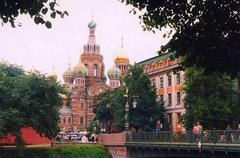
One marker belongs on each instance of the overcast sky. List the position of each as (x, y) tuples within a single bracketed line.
[(35, 46)]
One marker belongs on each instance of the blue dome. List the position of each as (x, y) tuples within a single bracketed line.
[(114, 72), (92, 24)]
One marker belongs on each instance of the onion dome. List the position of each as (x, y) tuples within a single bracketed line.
[(114, 72), (92, 24), (80, 70), (121, 56), (64, 97), (68, 75), (53, 75)]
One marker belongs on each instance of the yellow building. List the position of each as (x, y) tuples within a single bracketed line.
[(168, 83)]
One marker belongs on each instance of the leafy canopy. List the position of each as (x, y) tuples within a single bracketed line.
[(211, 99), (36, 9), (206, 32), (28, 99), (109, 106)]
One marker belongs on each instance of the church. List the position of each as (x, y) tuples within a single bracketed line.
[(87, 79)]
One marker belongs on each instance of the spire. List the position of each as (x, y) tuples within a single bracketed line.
[(53, 74), (69, 62), (122, 43), (121, 53)]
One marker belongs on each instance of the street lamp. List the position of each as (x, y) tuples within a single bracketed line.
[(127, 110)]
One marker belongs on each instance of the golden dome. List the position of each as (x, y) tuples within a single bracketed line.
[(68, 75), (114, 72), (64, 97), (80, 70), (121, 56), (53, 75)]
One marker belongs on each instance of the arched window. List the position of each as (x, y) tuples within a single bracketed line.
[(64, 120), (95, 70), (87, 68), (81, 105), (69, 120)]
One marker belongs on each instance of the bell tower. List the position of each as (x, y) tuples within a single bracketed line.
[(92, 58)]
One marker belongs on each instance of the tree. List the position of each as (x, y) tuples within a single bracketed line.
[(36, 9), (205, 33), (148, 111), (28, 99), (109, 106), (210, 99), (109, 109)]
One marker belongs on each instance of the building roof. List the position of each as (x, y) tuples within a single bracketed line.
[(65, 110), (157, 58)]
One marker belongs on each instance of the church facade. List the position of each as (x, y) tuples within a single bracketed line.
[(85, 80)]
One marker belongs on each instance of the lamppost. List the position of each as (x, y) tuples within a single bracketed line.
[(127, 110)]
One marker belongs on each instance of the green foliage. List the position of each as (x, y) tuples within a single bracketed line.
[(148, 111), (206, 33), (36, 9), (94, 127), (109, 106), (28, 99), (210, 99), (67, 151)]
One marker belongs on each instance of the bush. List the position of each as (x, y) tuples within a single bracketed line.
[(65, 151)]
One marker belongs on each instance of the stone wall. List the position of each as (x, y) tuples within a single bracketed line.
[(115, 144)]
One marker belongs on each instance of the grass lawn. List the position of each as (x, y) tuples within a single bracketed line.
[(64, 151)]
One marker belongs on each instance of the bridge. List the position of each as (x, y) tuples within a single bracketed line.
[(208, 144)]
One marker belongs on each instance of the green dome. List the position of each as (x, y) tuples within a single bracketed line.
[(80, 70), (92, 24)]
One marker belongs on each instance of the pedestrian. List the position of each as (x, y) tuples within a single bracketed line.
[(228, 133), (238, 129), (195, 131), (93, 137), (158, 126), (84, 139)]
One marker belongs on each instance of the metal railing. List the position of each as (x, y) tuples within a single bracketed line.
[(207, 136)]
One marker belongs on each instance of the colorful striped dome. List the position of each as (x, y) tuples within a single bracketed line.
[(80, 70), (114, 72), (68, 75)]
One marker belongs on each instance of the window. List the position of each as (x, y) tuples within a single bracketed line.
[(95, 70), (81, 120), (87, 68), (178, 78), (170, 119), (161, 98), (178, 97), (81, 105), (161, 82), (169, 80), (169, 99), (153, 82), (69, 120), (64, 120), (178, 117)]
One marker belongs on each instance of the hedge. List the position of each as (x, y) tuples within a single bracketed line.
[(65, 151)]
